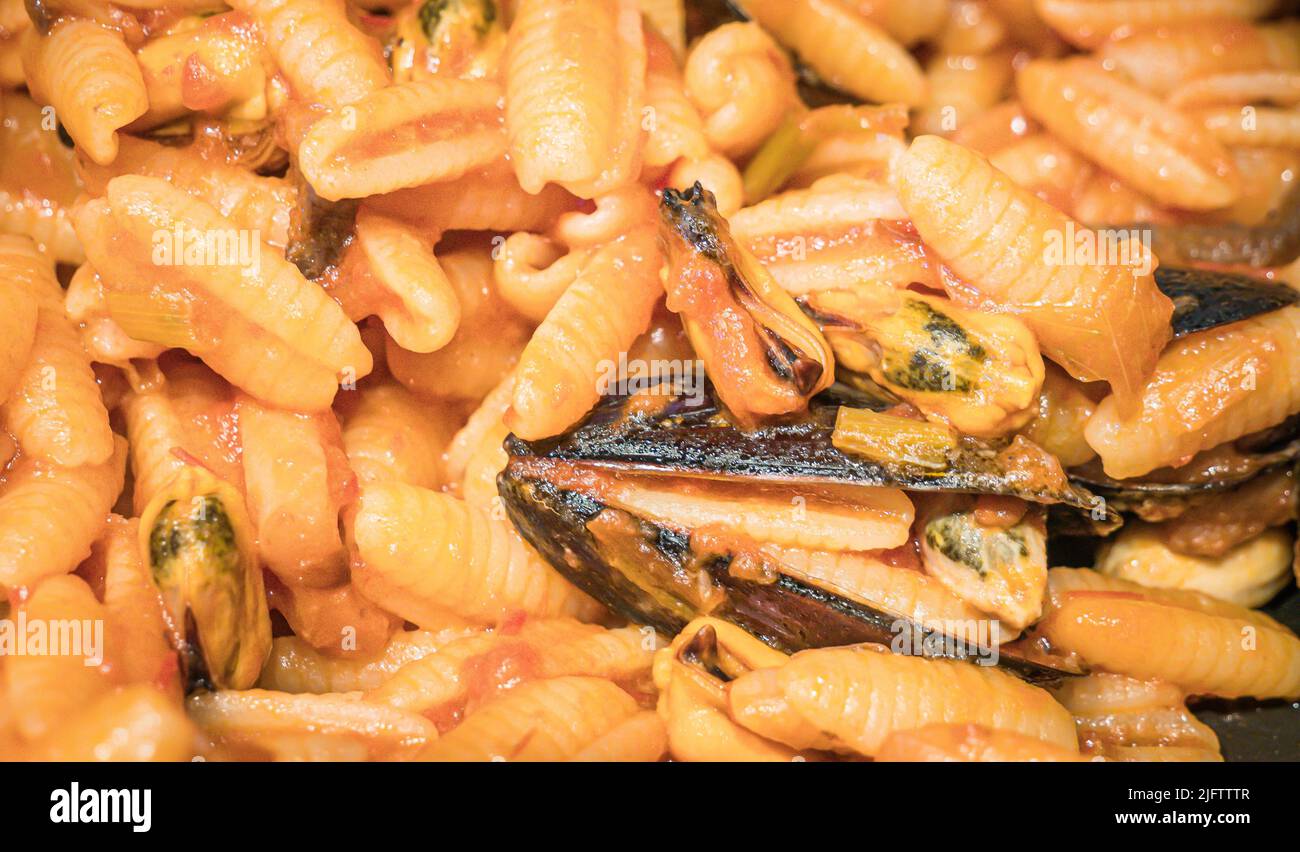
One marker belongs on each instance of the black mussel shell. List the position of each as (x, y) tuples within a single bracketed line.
[(1273, 242), (650, 584), (694, 436), (1204, 299)]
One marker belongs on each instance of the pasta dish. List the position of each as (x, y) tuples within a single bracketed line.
[(645, 380)]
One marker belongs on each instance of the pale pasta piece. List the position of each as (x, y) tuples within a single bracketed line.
[(398, 277), (18, 314), (338, 620), (49, 683), (851, 699), (908, 21), (1251, 126), (546, 720), (638, 739), (469, 671), (1164, 58), (295, 666), (1120, 718), (845, 48), (598, 317), (676, 129), (575, 85), (1236, 87), (1156, 149), (1089, 23), (940, 743), (250, 201), (1202, 645), (324, 57), (490, 199), (134, 606), (253, 719), (54, 409), (470, 436), (38, 181), (973, 28), (961, 88), (404, 135), (479, 486), (614, 215), (294, 470), (50, 515), (131, 724), (1208, 388), (258, 322), (742, 84), (417, 550), (91, 78), (532, 273), (390, 435), (1249, 574)]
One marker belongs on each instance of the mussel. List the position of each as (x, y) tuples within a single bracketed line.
[(1206, 299)]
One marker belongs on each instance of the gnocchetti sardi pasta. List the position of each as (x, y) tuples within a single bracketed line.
[(649, 380)]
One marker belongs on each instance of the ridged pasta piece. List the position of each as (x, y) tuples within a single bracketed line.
[(415, 545), (134, 606), (54, 409), (272, 332), (846, 49), (295, 666), (1047, 167), (129, 725), (532, 273), (676, 130), (1237, 87), (486, 345), (742, 84), (851, 699), (296, 476), (941, 743), (834, 235), (1207, 388), (254, 718), (470, 436), (1090, 23), (390, 435), (973, 28), (1156, 149), (640, 738), (404, 135), (50, 515), (38, 181), (996, 128), (1120, 718), (960, 88), (191, 411), (546, 720), (1255, 127), (473, 670), (899, 590), (47, 686), (1100, 321), (18, 313), (396, 275), (215, 68), (324, 57), (1166, 57), (1062, 582), (490, 199), (575, 86), (250, 201), (479, 485), (1205, 648), (614, 215), (598, 317), (91, 78)]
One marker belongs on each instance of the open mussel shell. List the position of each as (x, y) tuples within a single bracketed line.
[(693, 435), (1206, 299), (650, 575), (1273, 242)]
